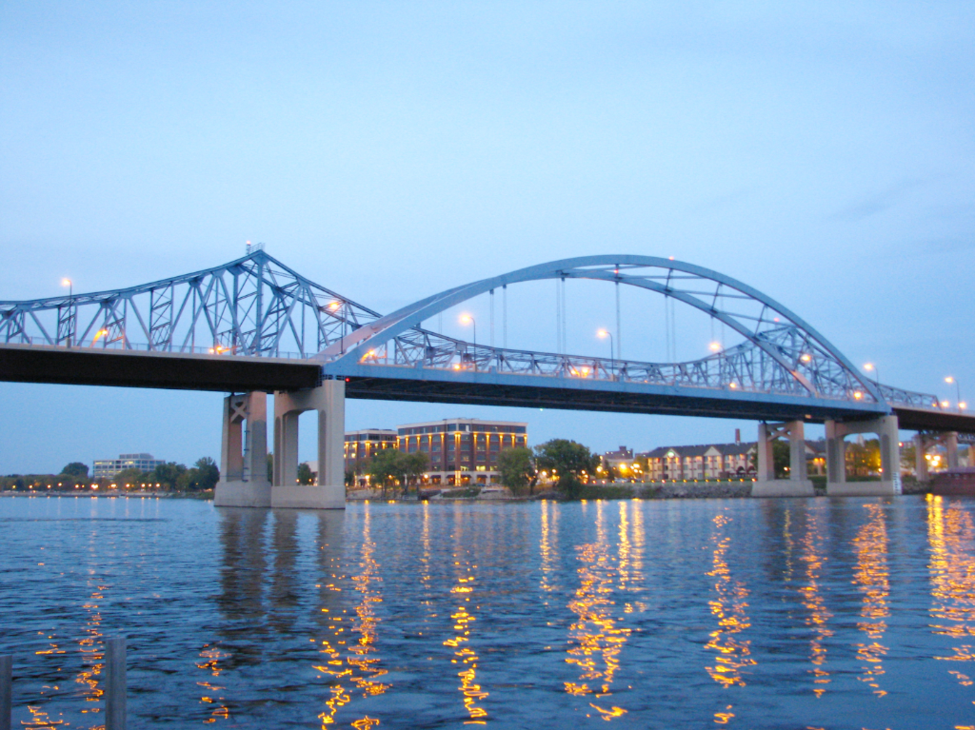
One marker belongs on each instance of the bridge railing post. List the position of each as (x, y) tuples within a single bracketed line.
[(6, 692), (115, 712)]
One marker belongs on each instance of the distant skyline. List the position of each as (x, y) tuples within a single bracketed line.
[(823, 153)]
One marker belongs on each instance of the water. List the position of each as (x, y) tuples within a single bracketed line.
[(855, 613)]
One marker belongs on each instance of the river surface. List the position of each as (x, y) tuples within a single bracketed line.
[(790, 613)]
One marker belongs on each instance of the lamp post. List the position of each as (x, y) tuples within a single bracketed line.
[(604, 333), (468, 319), (70, 284), (951, 379), (876, 373)]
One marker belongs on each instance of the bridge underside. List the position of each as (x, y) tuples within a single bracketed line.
[(134, 369), (179, 371), (523, 396)]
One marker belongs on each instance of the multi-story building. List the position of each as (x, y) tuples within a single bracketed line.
[(713, 461), (360, 446), (108, 468), (461, 450)]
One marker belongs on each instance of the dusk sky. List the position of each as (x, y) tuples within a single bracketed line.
[(822, 152)]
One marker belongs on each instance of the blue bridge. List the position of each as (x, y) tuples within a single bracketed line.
[(255, 326)]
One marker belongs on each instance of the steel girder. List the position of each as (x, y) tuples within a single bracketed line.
[(253, 306)]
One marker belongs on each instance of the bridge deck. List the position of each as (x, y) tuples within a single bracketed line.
[(226, 373)]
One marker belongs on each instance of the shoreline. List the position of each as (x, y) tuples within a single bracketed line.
[(647, 492)]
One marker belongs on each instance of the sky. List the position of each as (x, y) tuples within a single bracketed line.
[(822, 152)]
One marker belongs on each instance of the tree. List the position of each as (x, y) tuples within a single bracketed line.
[(130, 476), (167, 474), (517, 469), (270, 467), (207, 473), (385, 466), (76, 469), (569, 461), (305, 474), (413, 467)]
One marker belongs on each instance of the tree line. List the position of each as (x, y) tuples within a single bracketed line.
[(203, 475)]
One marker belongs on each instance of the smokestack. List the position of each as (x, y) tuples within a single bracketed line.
[(737, 437)]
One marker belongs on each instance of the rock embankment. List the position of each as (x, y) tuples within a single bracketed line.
[(716, 490)]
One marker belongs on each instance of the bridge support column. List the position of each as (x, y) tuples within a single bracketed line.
[(798, 484), (243, 453), (951, 446), (329, 493), (890, 482), (920, 458)]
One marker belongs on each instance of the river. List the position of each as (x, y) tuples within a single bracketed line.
[(790, 613)]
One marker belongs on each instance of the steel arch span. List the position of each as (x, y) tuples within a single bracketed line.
[(780, 355), (255, 324)]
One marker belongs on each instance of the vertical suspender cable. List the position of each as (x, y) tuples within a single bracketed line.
[(619, 347), (558, 319), (492, 318), (504, 316)]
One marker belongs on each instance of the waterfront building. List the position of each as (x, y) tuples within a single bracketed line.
[(108, 468), (710, 461), (360, 446), (461, 450)]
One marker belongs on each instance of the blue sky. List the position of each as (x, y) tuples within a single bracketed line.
[(821, 152)]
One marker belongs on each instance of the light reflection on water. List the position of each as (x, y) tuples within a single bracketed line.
[(758, 614)]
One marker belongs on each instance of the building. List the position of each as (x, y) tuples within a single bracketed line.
[(712, 461), (108, 468), (361, 445), (461, 450)]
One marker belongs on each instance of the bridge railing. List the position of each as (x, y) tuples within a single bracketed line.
[(743, 368), (128, 346)]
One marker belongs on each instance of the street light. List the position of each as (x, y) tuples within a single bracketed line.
[(876, 373), (468, 319), (951, 379), (68, 283), (603, 334)]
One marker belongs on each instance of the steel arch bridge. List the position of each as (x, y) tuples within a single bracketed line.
[(257, 310)]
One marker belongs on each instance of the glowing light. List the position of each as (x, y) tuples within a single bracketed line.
[(858, 395), (715, 346), (466, 319), (869, 366), (945, 404), (65, 282), (949, 379), (601, 333), (334, 305), (806, 357)]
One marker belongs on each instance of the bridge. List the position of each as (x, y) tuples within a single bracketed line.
[(255, 326)]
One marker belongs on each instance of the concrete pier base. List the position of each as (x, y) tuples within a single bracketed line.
[(797, 485), (784, 488), (243, 453), (862, 489), (242, 494), (308, 496), (837, 486), (328, 400)]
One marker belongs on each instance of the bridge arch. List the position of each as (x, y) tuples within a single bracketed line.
[(805, 361)]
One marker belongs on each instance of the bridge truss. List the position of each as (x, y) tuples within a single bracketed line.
[(256, 306)]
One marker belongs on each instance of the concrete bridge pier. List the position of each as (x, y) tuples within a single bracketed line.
[(920, 460), (798, 483), (243, 453), (329, 493), (887, 430), (923, 442)]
